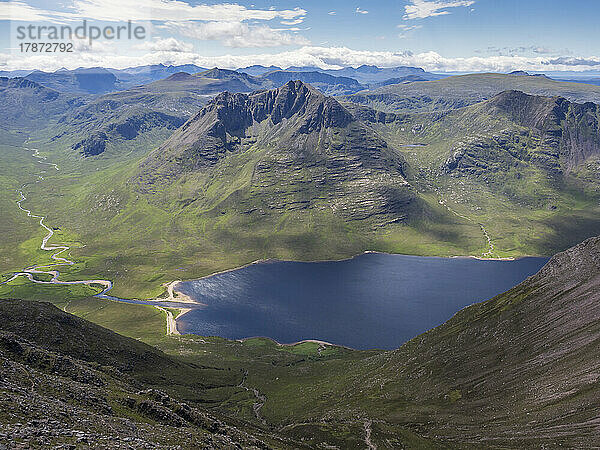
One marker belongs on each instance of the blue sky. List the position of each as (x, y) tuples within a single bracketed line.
[(439, 35)]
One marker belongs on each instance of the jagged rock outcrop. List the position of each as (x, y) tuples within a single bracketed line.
[(92, 145), (556, 135)]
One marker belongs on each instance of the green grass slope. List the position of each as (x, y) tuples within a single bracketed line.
[(522, 166)]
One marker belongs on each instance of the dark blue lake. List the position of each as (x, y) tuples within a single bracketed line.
[(371, 301)]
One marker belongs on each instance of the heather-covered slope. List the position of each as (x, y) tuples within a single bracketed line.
[(525, 365)]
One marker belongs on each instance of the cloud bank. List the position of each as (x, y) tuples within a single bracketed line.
[(174, 52)]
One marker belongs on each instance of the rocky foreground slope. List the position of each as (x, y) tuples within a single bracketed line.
[(67, 382)]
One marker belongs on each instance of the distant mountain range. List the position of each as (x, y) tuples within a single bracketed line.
[(365, 75), (258, 70), (464, 90), (163, 103), (99, 80), (345, 81)]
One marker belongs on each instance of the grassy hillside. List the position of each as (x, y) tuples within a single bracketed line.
[(521, 166), (26, 106)]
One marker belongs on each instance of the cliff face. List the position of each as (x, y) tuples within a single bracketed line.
[(233, 114), (573, 129)]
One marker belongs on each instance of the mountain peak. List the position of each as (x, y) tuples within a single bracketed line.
[(179, 76), (570, 128), (220, 73), (294, 98), (292, 136), (366, 68), (519, 73), (529, 110)]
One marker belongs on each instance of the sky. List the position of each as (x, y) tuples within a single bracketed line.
[(437, 35)]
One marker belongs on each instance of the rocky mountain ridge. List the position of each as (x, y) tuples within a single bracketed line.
[(295, 132)]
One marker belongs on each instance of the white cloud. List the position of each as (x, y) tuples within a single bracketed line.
[(421, 9), (238, 34), (293, 22), (166, 45), (361, 11), (224, 22), (177, 10), (524, 50), (332, 13), (21, 11), (100, 48), (592, 61), (144, 10), (407, 29)]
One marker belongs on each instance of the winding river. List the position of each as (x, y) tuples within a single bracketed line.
[(58, 256)]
